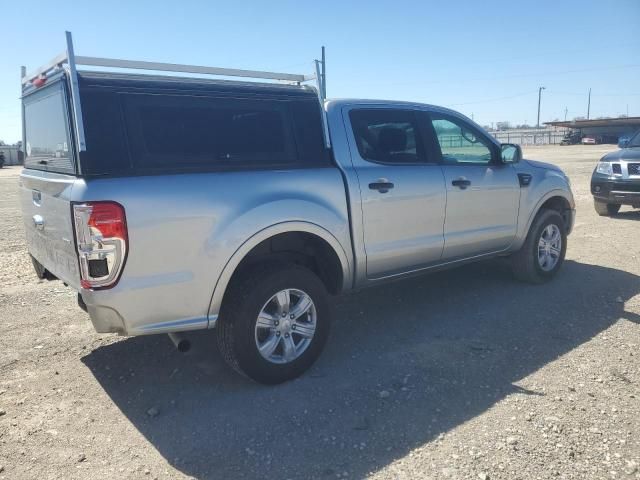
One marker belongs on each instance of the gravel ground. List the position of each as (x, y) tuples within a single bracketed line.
[(461, 374)]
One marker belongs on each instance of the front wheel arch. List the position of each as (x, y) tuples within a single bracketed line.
[(558, 200), (525, 262)]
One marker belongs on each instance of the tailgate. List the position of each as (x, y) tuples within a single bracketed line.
[(48, 178), (46, 208)]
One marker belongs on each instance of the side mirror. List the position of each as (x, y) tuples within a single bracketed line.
[(623, 143), (510, 153)]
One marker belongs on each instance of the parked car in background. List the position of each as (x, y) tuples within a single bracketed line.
[(623, 140), (573, 137), (589, 141), (616, 179), (178, 204)]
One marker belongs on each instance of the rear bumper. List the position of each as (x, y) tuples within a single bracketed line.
[(106, 320), (128, 311), (622, 192)]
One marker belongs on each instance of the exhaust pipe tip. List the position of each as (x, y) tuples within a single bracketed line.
[(182, 344)]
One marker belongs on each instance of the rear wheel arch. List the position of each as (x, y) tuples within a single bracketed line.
[(300, 243)]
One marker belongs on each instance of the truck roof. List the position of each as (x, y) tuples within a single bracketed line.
[(333, 103), (204, 85)]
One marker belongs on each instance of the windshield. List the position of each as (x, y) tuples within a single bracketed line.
[(635, 140)]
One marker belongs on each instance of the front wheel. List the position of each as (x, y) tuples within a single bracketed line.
[(605, 209), (543, 251), (274, 322)]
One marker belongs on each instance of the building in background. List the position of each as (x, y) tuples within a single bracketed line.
[(602, 130), (13, 154)]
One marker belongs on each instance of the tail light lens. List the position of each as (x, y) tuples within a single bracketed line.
[(101, 240), (40, 81)]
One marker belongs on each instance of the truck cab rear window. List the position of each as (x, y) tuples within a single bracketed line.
[(48, 144), (191, 132)]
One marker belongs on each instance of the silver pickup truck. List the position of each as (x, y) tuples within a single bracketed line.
[(174, 204)]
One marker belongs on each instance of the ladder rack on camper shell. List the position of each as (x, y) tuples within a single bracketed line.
[(68, 60)]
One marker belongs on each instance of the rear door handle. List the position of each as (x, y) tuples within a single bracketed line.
[(382, 185), (461, 182)]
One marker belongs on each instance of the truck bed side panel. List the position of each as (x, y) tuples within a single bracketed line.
[(184, 228)]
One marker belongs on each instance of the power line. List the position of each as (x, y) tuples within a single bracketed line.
[(461, 79), (501, 59), (488, 100), (596, 94)]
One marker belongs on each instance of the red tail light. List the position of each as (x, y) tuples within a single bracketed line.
[(108, 218), (102, 241)]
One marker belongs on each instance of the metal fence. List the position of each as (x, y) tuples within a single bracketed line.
[(12, 155), (530, 137)]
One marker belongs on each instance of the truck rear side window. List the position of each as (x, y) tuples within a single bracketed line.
[(194, 132), (48, 144), (388, 136)]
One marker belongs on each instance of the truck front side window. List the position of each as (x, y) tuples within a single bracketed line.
[(460, 145)]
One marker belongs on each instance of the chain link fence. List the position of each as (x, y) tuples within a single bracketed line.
[(530, 137)]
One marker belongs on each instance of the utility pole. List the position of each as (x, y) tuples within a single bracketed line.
[(589, 105), (539, 98)]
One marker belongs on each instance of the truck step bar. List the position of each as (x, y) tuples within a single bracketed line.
[(68, 60)]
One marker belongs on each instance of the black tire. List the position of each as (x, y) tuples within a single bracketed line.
[(605, 209), (524, 262), (41, 272), (241, 306)]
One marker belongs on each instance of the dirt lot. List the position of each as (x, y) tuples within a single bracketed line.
[(461, 374)]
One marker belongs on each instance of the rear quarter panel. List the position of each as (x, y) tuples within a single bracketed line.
[(184, 229)]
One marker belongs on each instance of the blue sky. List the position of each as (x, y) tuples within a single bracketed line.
[(483, 58)]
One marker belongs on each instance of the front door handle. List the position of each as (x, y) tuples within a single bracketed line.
[(462, 183), (382, 185)]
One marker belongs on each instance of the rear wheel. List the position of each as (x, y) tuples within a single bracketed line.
[(274, 322), (41, 272), (543, 251), (605, 209)]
